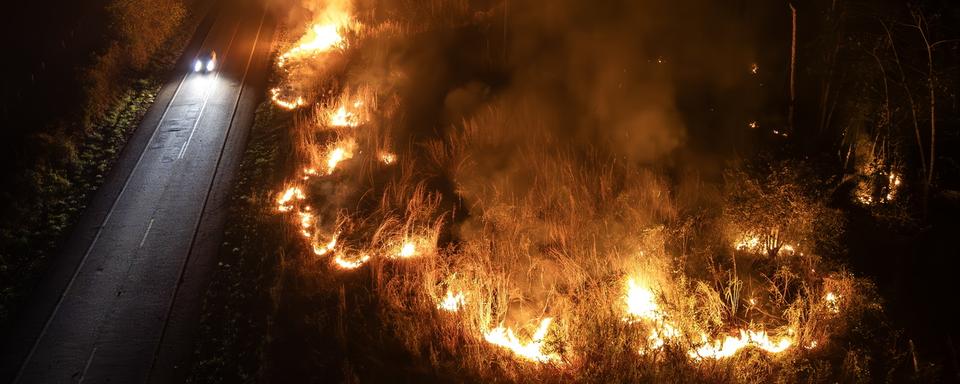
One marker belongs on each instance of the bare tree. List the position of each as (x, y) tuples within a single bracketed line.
[(793, 66)]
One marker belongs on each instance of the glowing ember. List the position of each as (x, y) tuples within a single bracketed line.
[(731, 345), (319, 38), (387, 158), (323, 249), (283, 201), (754, 125), (451, 302), (343, 262), (286, 104), (754, 68), (532, 350)]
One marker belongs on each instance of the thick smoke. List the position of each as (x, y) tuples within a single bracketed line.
[(587, 70), (580, 84)]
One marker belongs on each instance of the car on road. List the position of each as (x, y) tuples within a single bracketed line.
[(206, 62)]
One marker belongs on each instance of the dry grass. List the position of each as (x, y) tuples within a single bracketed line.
[(527, 227)]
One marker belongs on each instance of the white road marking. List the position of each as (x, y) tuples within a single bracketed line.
[(87, 367), (146, 233), (206, 98)]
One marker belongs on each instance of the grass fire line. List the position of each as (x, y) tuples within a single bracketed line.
[(715, 322)]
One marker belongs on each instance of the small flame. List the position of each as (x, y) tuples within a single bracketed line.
[(342, 151), (451, 302), (532, 350), (286, 104), (754, 68), (283, 201)]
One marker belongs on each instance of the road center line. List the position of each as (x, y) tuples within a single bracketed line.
[(213, 178), (87, 367)]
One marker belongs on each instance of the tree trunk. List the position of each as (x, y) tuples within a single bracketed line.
[(793, 68)]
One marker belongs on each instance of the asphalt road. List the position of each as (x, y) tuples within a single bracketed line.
[(122, 300)]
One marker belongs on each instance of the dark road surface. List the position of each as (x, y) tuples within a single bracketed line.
[(122, 299)]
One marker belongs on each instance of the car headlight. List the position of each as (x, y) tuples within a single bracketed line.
[(211, 65), (197, 66)]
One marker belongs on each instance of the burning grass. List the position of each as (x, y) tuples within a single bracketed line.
[(498, 250), (549, 268)]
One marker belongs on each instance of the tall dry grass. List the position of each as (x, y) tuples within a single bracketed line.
[(526, 227)]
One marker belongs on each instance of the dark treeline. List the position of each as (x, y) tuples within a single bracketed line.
[(877, 111)]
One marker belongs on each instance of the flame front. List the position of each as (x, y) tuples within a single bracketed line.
[(531, 350), (318, 39), (323, 249), (730, 345), (345, 262)]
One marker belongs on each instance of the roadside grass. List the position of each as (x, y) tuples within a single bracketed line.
[(237, 306)]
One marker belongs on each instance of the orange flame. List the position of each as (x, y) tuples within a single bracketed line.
[(531, 350)]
